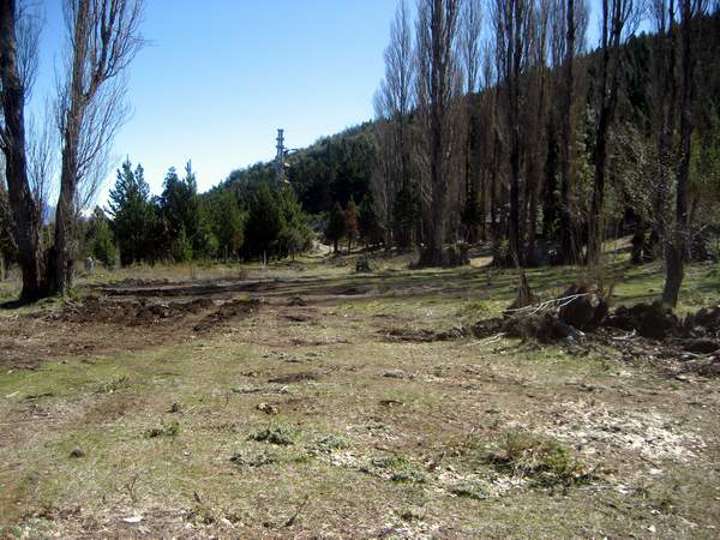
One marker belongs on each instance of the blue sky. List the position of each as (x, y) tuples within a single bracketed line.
[(219, 76)]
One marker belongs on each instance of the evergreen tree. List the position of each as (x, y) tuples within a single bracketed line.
[(369, 223), (335, 228), (180, 210), (471, 215), (407, 214), (226, 222), (265, 221), (133, 215), (351, 223), (181, 248), (295, 235), (99, 240)]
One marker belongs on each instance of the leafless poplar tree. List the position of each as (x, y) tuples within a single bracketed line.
[(471, 26), (569, 26), (676, 249), (437, 85), (513, 32), (394, 102), (42, 144), (536, 120), (619, 20), (18, 64), (470, 54), (104, 37)]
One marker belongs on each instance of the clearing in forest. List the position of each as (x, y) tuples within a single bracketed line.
[(306, 399)]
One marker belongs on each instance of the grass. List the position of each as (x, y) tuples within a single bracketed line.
[(545, 461), (465, 441)]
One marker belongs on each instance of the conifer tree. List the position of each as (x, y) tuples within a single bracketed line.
[(133, 215), (352, 228), (335, 228)]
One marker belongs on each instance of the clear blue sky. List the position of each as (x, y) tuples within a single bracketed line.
[(219, 76)]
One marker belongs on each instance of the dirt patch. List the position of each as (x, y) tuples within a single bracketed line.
[(102, 324), (580, 319), (299, 315), (424, 335), (295, 378), (649, 320), (349, 291), (226, 312), (132, 312)]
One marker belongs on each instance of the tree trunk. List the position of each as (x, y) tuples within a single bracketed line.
[(595, 225), (608, 101), (443, 16), (25, 215), (676, 252), (568, 245), (60, 270)]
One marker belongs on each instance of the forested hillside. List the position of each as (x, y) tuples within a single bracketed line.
[(334, 169)]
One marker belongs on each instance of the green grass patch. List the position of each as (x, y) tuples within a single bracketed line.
[(278, 435), (544, 461)]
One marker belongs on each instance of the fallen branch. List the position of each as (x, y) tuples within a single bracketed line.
[(545, 306)]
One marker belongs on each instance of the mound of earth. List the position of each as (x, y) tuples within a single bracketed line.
[(424, 335), (581, 313), (130, 312), (653, 321), (204, 312), (583, 307)]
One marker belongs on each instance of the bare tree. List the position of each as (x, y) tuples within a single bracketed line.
[(104, 37), (42, 144), (513, 32), (394, 102), (536, 120), (470, 54), (569, 26), (18, 64), (471, 26), (437, 86), (619, 19), (675, 252), (7, 245)]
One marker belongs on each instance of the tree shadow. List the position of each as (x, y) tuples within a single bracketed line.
[(15, 304)]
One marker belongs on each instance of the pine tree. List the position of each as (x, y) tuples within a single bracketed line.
[(99, 239), (226, 222), (180, 210), (265, 221), (133, 215), (295, 235), (335, 228), (369, 223), (352, 228)]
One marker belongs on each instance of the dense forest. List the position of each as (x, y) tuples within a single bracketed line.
[(495, 123)]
